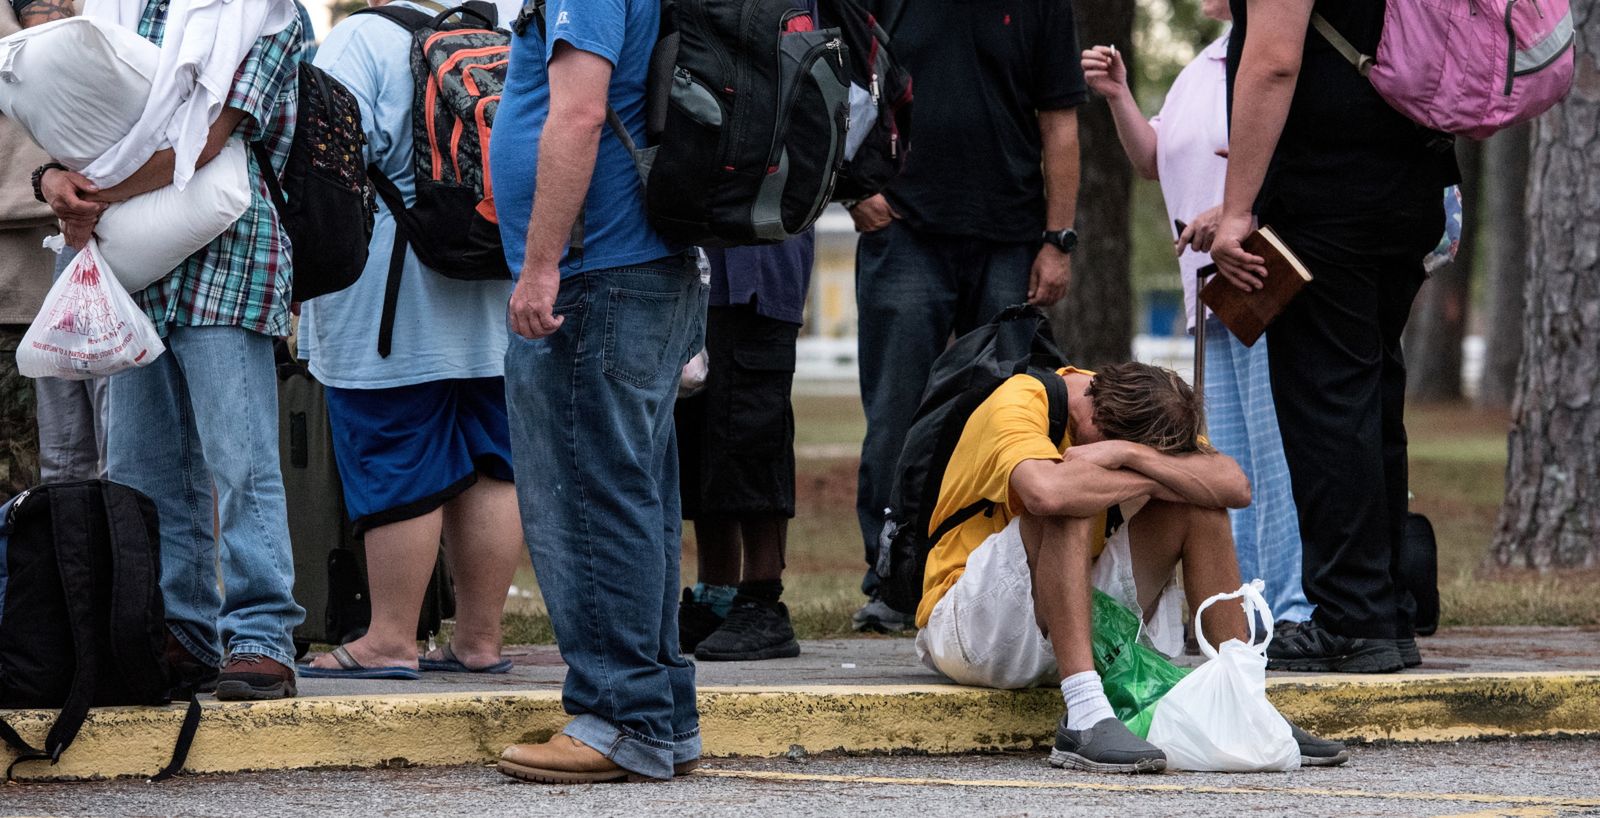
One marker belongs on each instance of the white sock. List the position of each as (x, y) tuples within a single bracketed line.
[(1087, 704)]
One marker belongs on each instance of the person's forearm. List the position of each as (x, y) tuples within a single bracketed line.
[(31, 13), (1059, 130), (1268, 71), (1074, 488), (1210, 479), (156, 173), (1138, 138), (567, 151)]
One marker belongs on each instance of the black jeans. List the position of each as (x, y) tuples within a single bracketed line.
[(913, 290), (1340, 381)]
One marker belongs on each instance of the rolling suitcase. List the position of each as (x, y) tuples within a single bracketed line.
[(330, 573)]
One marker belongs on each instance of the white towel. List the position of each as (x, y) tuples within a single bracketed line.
[(205, 42)]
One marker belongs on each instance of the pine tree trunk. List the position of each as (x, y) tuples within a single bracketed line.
[(1551, 517), (1094, 323), (1505, 216), (1439, 319)]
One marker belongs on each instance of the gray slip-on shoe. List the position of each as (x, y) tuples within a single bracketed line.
[(1107, 747)]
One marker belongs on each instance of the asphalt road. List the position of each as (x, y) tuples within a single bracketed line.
[(1520, 778)]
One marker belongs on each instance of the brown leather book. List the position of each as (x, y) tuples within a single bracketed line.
[(1247, 314)]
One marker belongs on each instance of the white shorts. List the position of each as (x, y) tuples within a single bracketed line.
[(984, 633)]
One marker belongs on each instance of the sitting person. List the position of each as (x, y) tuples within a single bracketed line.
[(1006, 596)]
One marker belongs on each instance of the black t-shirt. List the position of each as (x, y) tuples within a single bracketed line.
[(1345, 155), (981, 70)]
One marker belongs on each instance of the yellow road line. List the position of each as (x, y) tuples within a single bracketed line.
[(1313, 792)]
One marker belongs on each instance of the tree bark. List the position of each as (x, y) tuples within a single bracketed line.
[(1505, 215), (1094, 322), (1439, 318), (1551, 517)]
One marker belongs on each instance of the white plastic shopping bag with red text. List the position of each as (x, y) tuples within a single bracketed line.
[(88, 327)]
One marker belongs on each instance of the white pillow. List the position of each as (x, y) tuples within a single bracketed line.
[(146, 237), (76, 85)]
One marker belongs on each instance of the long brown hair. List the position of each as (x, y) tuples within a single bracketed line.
[(1146, 404)]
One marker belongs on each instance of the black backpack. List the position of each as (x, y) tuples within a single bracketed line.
[(746, 110), (81, 619), (324, 200), (875, 75), (1016, 342), (458, 69)]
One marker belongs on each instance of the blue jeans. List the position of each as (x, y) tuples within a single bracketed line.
[(205, 414), (594, 450), (913, 290), (1243, 424)]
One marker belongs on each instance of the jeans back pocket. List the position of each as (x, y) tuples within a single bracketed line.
[(639, 331)]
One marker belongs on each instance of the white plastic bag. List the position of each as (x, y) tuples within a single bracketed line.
[(148, 236), (88, 327), (77, 86), (693, 378), (1218, 719)]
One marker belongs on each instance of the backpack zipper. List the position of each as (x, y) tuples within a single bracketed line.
[(1511, 48)]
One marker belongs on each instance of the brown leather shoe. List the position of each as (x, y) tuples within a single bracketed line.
[(185, 672), (252, 677), (562, 760)]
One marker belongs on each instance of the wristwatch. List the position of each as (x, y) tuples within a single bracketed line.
[(38, 177), (1064, 240)]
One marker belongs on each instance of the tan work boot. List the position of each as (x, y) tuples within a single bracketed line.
[(565, 760)]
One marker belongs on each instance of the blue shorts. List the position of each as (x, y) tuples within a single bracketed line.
[(405, 451)]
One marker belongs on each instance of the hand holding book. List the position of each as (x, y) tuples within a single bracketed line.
[(1246, 312), (1237, 264)]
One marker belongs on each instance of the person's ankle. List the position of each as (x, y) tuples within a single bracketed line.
[(767, 591)]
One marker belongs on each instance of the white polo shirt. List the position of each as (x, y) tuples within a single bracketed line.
[(1191, 127)]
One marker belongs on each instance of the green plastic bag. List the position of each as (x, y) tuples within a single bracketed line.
[(1134, 676)]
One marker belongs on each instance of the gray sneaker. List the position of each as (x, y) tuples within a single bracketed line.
[(879, 617), (1107, 747), (1318, 752)]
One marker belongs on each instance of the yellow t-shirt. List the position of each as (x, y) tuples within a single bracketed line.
[(1011, 426)]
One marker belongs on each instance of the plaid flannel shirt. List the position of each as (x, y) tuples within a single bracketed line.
[(241, 278)]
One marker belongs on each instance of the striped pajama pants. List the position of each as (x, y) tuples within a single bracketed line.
[(1243, 424)]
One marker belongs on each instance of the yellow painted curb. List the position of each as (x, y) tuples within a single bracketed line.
[(463, 728)]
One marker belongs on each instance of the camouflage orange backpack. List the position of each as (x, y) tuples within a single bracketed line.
[(458, 64)]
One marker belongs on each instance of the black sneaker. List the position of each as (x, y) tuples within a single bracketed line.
[(1409, 654), (696, 621), (1107, 747), (876, 616), (1318, 752), (1313, 648), (753, 630)]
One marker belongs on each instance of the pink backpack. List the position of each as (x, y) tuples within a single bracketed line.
[(1468, 67)]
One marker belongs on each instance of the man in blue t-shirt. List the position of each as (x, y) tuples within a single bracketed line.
[(598, 338)]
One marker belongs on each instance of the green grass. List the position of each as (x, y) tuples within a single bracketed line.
[(1457, 476)]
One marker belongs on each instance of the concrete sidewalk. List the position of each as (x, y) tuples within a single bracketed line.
[(858, 696)]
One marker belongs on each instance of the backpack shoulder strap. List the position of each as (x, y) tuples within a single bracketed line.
[(390, 193), (70, 513), (409, 19), (1362, 62), (135, 592), (1055, 390)]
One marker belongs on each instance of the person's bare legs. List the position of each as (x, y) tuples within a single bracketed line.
[(400, 559), (765, 539), (483, 547), (1058, 558), (1161, 534), (719, 553)]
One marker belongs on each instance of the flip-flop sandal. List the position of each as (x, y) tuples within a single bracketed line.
[(450, 664), (349, 668)]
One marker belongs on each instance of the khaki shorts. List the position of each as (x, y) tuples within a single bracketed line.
[(983, 632)]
